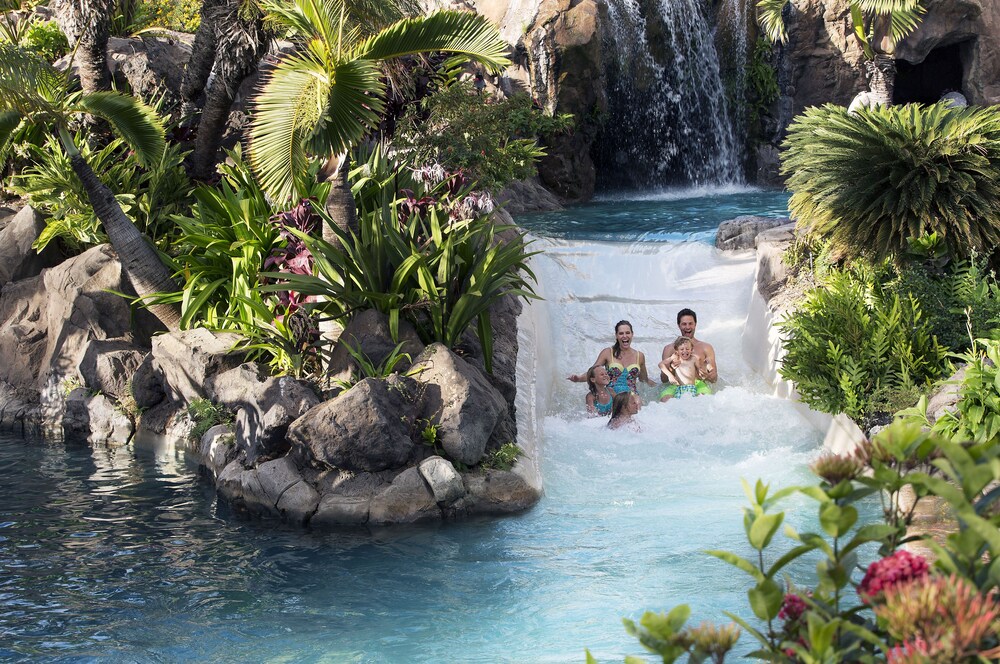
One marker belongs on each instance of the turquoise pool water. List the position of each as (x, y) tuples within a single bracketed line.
[(125, 555)]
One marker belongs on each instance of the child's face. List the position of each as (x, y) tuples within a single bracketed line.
[(633, 405), (684, 352), (601, 376)]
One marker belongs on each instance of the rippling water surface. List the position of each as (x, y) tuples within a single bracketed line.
[(125, 555)]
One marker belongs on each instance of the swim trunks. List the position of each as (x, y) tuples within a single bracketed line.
[(677, 391)]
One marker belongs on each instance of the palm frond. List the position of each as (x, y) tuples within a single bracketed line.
[(449, 31), (885, 7), (770, 20), (133, 120), (353, 107), (286, 111), (28, 83), (870, 181), (904, 21), (9, 122), (308, 19)]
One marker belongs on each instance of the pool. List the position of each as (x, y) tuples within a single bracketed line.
[(126, 555)]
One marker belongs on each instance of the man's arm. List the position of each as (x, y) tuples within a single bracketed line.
[(668, 351), (712, 373)]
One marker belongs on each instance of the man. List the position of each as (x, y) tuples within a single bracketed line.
[(687, 322)]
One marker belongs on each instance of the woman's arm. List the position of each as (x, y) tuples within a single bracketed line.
[(602, 360)]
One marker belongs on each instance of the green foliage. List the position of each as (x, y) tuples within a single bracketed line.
[(960, 300), (977, 414), (491, 139), (762, 80), (206, 415), (46, 39), (852, 339), (367, 368), (503, 457), (871, 180), (836, 618), (147, 195), (417, 257), (179, 15)]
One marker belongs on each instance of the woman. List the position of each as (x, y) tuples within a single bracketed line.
[(626, 366)]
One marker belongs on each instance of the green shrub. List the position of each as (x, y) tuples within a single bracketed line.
[(134, 15), (206, 415), (503, 457), (762, 80), (841, 615), (977, 413), (872, 180), (492, 139), (46, 39), (430, 255), (852, 339), (147, 196)]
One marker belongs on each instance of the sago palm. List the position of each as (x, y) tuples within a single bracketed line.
[(871, 180), (878, 25), (33, 92), (326, 96)]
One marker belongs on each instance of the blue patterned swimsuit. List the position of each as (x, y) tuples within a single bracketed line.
[(623, 378), (604, 408)]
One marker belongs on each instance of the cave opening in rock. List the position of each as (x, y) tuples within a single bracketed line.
[(940, 72)]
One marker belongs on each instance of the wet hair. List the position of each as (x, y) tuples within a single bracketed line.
[(616, 350), (686, 312), (591, 385), (619, 405), (680, 341)]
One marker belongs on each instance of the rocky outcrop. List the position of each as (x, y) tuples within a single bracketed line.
[(18, 260), (368, 333), (741, 232), (187, 360)]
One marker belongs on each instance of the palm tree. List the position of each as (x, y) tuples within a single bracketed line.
[(34, 92), (232, 37), (87, 25), (878, 25), (326, 96), (872, 180)]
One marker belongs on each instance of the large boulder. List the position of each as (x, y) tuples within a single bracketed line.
[(367, 428), (47, 323), (188, 359), (498, 492), (741, 232), (460, 401), (18, 260), (264, 406), (347, 497), (444, 481), (217, 449), (95, 419), (108, 366), (407, 500), (368, 332)]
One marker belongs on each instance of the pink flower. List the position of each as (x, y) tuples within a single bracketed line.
[(889, 572), (792, 608)]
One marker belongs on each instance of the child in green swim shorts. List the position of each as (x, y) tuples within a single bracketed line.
[(684, 370)]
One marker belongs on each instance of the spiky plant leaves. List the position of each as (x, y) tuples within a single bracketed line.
[(870, 181), (770, 20), (138, 124)]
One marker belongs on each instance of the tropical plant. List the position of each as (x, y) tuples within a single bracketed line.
[(32, 92), (491, 139), (148, 195), (46, 39), (503, 457), (872, 180), (179, 15), (837, 616), (976, 416), (322, 99), (851, 339), (428, 257), (206, 415), (762, 80), (878, 26), (368, 368)]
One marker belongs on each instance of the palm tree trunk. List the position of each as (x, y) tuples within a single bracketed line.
[(241, 43), (881, 74), (340, 204), (142, 264), (199, 65), (88, 24)]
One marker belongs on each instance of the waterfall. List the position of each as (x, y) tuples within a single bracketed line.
[(669, 121)]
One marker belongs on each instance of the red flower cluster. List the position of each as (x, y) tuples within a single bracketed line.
[(891, 571), (792, 608)]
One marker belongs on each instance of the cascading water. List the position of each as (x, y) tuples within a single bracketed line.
[(668, 121)]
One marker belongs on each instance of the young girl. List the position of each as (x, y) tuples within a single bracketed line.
[(599, 396), (623, 407), (684, 371)]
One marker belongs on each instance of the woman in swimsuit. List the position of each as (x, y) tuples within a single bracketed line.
[(626, 366), (599, 395)]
